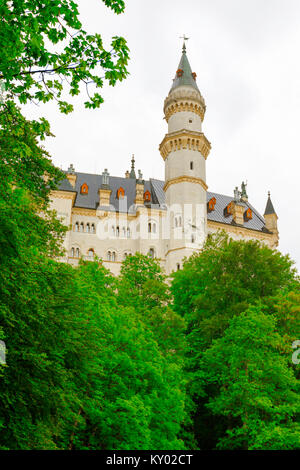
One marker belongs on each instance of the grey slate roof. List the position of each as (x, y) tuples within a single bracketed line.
[(91, 200)]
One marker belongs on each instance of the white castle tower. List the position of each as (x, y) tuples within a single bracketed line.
[(184, 150)]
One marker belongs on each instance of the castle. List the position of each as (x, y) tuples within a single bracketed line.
[(112, 217)]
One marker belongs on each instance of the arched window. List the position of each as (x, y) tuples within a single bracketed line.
[(176, 222), (124, 232), (128, 232), (109, 256), (180, 221), (72, 252), (84, 189), (82, 227), (93, 230), (117, 231), (113, 256), (113, 230), (120, 193), (178, 266), (193, 238), (147, 196), (154, 228), (77, 252), (151, 253), (77, 227), (149, 227), (125, 255), (91, 253), (87, 228), (191, 165)]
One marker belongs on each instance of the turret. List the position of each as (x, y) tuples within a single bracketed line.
[(185, 150), (271, 216)]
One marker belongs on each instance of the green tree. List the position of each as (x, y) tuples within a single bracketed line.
[(130, 397), (211, 289), (46, 50), (257, 390), (224, 280), (142, 285), (23, 161)]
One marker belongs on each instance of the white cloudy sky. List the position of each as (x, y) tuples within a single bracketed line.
[(246, 56)]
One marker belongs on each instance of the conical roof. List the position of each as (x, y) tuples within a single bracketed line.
[(269, 207), (184, 75)]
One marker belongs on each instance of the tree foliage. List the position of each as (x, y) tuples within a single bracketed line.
[(46, 50), (240, 301)]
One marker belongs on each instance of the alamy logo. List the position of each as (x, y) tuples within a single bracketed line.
[(2, 353), (296, 354)]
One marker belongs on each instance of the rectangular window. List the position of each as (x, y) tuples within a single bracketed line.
[(191, 165)]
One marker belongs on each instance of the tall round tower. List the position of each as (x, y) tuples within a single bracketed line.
[(184, 150)]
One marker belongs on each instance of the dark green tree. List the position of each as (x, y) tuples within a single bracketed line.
[(258, 392), (213, 287)]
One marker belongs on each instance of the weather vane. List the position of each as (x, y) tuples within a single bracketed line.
[(184, 39)]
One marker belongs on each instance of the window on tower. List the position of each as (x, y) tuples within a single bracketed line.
[(191, 165)]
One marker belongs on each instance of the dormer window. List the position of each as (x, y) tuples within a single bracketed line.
[(211, 204), (228, 209), (84, 189), (248, 214), (194, 75), (179, 73), (147, 196), (120, 193)]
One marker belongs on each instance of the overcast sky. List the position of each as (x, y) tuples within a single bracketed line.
[(246, 56)]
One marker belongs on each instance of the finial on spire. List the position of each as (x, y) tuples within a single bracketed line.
[(183, 46), (132, 172), (269, 193)]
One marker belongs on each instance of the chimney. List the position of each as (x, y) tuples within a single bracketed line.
[(238, 208), (139, 190), (104, 191), (71, 176)]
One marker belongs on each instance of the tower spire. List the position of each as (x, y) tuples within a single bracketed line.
[(269, 207), (184, 74)]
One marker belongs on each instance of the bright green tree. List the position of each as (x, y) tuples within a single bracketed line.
[(142, 285), (45, 50), (130, 395)]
